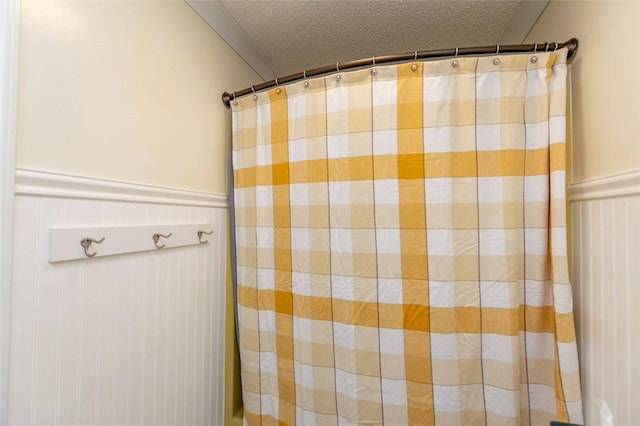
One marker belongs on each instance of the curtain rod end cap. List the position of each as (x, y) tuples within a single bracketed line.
[(226, 99), (573, 45)]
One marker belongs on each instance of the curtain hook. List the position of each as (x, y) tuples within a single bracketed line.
[(277, 84), (497, 49), (535, 48), (374, 61), (555, 48), (373, 68), (304, 74), (546, 46), (255, 97), (456, 53), (415, 55), (337, 66)]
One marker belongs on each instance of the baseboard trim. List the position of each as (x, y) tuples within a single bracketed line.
[(622, 185), (48, 184)]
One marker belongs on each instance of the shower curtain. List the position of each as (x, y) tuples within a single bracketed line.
[(401, 246)]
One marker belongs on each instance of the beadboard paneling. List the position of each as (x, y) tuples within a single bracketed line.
[(606, 282), (133, 339)]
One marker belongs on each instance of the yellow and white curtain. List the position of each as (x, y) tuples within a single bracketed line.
[(401, 246)]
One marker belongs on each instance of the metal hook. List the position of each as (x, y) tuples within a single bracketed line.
[(535, 48), (456, 53), (86, 243), (200, 236), (304, 74), (546, 46), (337, 66), (415, 55), (497, 49), (555, 48), (156, 238), (374, 61), (277, 84)]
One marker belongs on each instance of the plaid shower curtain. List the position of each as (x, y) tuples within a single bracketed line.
[(401, 246)]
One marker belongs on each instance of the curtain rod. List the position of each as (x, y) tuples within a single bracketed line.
[(571, 44)]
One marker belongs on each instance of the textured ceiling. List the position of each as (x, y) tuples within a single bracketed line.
[(303, 34)]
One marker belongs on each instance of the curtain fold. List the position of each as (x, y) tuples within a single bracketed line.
[(401, 246)]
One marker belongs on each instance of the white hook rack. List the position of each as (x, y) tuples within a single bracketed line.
[(66, 243)]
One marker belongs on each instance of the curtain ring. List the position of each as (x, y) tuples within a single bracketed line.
[(304, 74), (277, 84), (337, 66), (555, 48), (497, 49), (535, 48), (415, 55), (546, 46), (456, 53), (253, 90)]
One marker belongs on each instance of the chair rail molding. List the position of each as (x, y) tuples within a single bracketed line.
[(50, 184), (621, 185)]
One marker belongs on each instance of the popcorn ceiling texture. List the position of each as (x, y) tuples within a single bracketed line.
[(298, 35)]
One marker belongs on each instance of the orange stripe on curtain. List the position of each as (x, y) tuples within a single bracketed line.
[(283, 300)]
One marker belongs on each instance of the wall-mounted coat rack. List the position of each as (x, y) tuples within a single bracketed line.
[(83, 243)]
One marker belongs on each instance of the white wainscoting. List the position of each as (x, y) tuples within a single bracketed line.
[(132, 339), (606, 282)]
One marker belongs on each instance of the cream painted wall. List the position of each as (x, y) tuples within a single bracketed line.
[(606, 82), (125, 90)]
